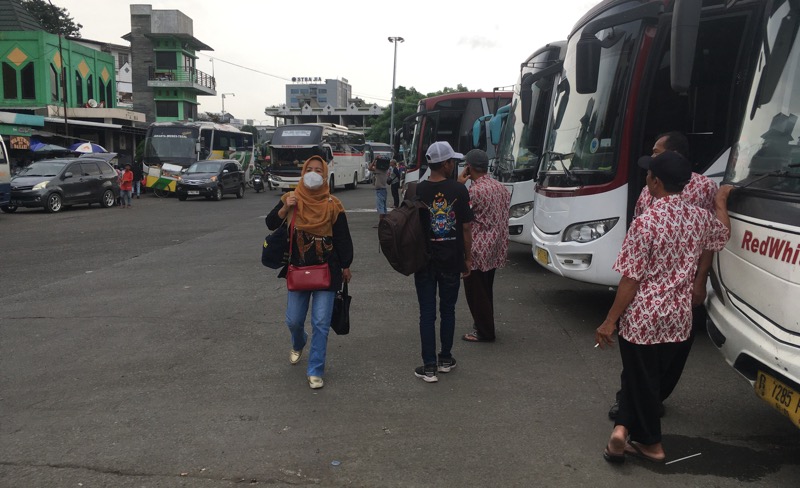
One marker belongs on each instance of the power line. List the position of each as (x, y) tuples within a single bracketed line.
[(281, 77)]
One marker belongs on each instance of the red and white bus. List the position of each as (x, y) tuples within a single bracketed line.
[(626, 79), (341, 147), (447, 117), (755, 303)]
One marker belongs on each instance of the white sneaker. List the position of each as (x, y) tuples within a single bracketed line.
[(315, 382), (294, 356)]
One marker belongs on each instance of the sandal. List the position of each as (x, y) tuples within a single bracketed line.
[(475, 337), (634, 448)]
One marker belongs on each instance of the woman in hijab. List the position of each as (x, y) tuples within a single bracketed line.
[(321, 235)]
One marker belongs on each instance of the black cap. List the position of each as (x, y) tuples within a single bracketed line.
[(669, 167), (477, 159)]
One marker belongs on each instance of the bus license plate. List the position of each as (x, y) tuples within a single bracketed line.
[(780, 396), (542, 256)]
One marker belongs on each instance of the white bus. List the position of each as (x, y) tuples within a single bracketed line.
[(522, 139), (754, 309), (341, 147)]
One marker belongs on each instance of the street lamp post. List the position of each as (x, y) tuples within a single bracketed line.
[(223, 101), (395, 41)]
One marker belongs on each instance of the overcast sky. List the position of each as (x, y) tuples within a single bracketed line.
[(447, 42)]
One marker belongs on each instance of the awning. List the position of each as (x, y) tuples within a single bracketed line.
[(58, 120)]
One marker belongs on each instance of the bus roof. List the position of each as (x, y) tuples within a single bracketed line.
[(471, 94), (201, 124)]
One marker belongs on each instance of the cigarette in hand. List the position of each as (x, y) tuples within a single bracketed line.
[(597, 345)]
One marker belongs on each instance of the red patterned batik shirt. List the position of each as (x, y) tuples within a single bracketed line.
[(700, 192), (490, 202), (661, 251)]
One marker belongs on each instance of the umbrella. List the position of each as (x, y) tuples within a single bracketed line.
[(87, 147), (41, 147)]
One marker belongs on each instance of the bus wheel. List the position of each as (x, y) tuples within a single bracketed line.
[(354, 184), (332, 183)]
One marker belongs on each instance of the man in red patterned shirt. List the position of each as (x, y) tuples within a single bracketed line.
[(700, 192), (658, 262), (490, 202)]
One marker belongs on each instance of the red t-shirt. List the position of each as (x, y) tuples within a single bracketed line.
[(126, 182)]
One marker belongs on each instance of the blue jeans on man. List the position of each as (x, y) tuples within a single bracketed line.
[(426, 282), (380, 200), (137, 187), (321, 311)]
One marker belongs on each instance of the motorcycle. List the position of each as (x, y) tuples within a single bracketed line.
[(258, 183)]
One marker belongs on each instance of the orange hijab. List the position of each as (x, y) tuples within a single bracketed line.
[(316, 210)]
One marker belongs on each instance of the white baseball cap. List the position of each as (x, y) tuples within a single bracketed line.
[(441, 151)]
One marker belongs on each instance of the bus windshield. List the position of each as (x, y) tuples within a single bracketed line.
[(581, 144), (175, 145), (767, 156)]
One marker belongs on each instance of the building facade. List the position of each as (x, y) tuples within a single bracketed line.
[(164, 79)]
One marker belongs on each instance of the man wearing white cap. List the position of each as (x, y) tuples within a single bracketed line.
[(449, 231)]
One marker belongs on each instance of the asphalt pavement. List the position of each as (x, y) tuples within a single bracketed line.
[(146, 347)]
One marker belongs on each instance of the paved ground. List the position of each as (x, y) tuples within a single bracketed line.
[(146, 348)]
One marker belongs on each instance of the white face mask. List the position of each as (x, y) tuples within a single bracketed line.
[(312, 180)]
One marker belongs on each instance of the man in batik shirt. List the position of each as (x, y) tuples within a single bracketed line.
[(700, 192), (658, 262), (490, 202)]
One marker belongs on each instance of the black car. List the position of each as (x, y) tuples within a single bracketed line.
[(56, 183), (211, 179)]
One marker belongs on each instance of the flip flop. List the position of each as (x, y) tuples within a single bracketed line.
[(613, 458), (475, 337), (636, 451)]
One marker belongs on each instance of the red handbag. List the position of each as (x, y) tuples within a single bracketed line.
[(306, 278)]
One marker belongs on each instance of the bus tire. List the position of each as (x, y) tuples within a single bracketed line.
[(354, 184), (332, 183)]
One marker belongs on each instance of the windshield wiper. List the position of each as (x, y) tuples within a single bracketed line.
[(561, 157), (784, 173)]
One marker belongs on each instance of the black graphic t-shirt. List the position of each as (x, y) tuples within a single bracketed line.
[(448, 209)]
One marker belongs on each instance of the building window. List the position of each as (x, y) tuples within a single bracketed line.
[(323, 99), (90, 87), (294, 91), (166, 109), (78, 89), (189, 111), (109, 95), (121, 60), (53, 84), (9, 82), (28, 75), (166, 60)]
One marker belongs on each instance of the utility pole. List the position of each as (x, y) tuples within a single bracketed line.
[(395, 41)]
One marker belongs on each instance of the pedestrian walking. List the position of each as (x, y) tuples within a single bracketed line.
[(138, 176), (320, 235), (125, 187), (448, 222), (379, 167), (393, 181), (700, 192), (658, 261), (490, 202)]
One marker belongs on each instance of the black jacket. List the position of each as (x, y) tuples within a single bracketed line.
[(340, 258)]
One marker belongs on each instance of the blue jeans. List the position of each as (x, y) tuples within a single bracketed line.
[(380, 200), (137, 187), (125, 198), (321, 310), (426, 282)]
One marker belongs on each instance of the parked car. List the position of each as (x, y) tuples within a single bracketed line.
[(211, 179), (56, 183)]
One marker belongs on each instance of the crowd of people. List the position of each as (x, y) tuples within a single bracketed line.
[(680, 220)]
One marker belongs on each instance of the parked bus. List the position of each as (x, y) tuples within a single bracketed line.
[(5, 177), (522, 138), (626, 80), (181, 144), (341, 147), (447, 117), (753, 309)]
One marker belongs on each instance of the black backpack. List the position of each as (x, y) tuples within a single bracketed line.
[(403, 239)]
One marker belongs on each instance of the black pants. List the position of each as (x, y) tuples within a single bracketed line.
[(670, 380), (479, 290), (646, 369), (396, 194)]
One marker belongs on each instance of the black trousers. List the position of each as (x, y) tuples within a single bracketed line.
[(479, 290), (646, 369), (670, 380), (396, 194)]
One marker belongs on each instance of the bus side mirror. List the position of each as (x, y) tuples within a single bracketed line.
[(587, 64), (683, 40)]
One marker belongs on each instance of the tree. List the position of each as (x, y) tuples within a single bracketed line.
[(55, 20), (252, 130)]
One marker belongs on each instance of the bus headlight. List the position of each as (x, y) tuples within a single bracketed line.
[(589, 231), (520, 209), (40, 186)]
